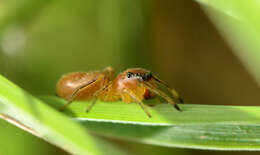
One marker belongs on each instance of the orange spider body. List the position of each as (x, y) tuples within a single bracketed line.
[(122, 83), (132, 85), (87, 83)]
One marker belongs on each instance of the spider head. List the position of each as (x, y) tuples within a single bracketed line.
[(140, 74)]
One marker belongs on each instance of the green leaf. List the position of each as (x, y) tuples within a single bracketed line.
[(31, 114), (240, 25), (197, 126)]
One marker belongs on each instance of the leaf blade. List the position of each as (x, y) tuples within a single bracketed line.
[(209, 137), (162, 114), (197, 126)]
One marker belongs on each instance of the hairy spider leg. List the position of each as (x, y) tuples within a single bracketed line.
[(151, 88), (137, 100), (96, 94), (76, 92), (173, 91)]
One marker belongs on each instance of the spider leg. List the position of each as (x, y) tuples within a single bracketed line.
[(75, 93), (160, 93), (173, 91), (137, 100), (96, 94), (92, 104)]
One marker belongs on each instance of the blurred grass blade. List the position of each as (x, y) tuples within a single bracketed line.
[(32, 115), (240, 25), (197, 126)]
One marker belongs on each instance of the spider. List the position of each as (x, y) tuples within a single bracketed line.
[(132, 85)]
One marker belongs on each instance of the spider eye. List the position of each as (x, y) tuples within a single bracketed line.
[(129, 74)]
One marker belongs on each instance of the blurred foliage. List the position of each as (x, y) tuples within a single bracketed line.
[(16, 141), (239, 23)]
